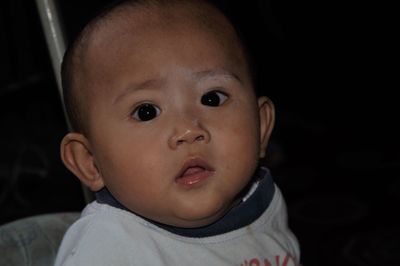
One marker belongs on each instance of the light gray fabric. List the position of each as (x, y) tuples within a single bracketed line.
[(107, 236), (33, 241)]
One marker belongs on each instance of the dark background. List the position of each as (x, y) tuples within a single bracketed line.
[(335, 153)]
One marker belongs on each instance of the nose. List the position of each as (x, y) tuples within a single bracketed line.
[(188, 132)]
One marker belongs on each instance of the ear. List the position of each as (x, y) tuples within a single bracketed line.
[(267, 120), (77, 157)]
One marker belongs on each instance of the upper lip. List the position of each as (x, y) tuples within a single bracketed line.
[(194, 162)]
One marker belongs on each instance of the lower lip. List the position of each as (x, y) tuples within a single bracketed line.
[(194, 179)]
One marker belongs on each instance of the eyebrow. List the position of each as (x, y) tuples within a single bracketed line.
[(198, 76), (151, 83), (216, 73)]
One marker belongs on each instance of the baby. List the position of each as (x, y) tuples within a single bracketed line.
[(168, 131)]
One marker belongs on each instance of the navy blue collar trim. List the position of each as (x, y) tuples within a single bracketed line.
[(240, 216)]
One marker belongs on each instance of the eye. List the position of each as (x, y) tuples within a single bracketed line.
[(214, 98), (146, 112)]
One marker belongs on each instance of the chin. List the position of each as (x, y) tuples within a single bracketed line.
[(199, 217), (195, 223)]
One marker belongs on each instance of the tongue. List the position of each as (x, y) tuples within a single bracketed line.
[(192, 170)]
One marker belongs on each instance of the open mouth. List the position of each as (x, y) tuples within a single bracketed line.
[(194, 171)]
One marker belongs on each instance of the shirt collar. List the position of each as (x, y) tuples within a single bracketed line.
[(245, 213)]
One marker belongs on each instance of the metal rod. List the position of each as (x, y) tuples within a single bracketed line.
[(56, 43), (54, 35)]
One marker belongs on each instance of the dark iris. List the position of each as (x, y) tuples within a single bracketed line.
[(211, 98), (146, 112)]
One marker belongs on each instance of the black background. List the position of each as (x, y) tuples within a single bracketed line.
[(328, 66)]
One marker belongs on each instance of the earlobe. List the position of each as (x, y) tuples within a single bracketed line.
[(77, 157), (267, 121)]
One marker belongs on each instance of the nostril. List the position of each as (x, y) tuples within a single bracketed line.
[(189, 139), (199, 138)]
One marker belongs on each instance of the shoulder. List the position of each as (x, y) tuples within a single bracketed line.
[(100, 237)]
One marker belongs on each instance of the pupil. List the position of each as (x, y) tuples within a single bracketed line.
[(210, 99), (147, 112)]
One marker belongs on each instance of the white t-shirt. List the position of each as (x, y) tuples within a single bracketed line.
[(110, 236)]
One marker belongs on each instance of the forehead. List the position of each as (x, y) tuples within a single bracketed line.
[(139, 20), (145, 30)]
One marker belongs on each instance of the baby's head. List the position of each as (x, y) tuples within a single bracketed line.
[(161, 100)]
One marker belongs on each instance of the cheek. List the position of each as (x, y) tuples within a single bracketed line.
[(131, 171), (239, 136), (116, 149), (242, 125), (129, 155)]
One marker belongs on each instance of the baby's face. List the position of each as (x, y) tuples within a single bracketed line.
[(173, 121)]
